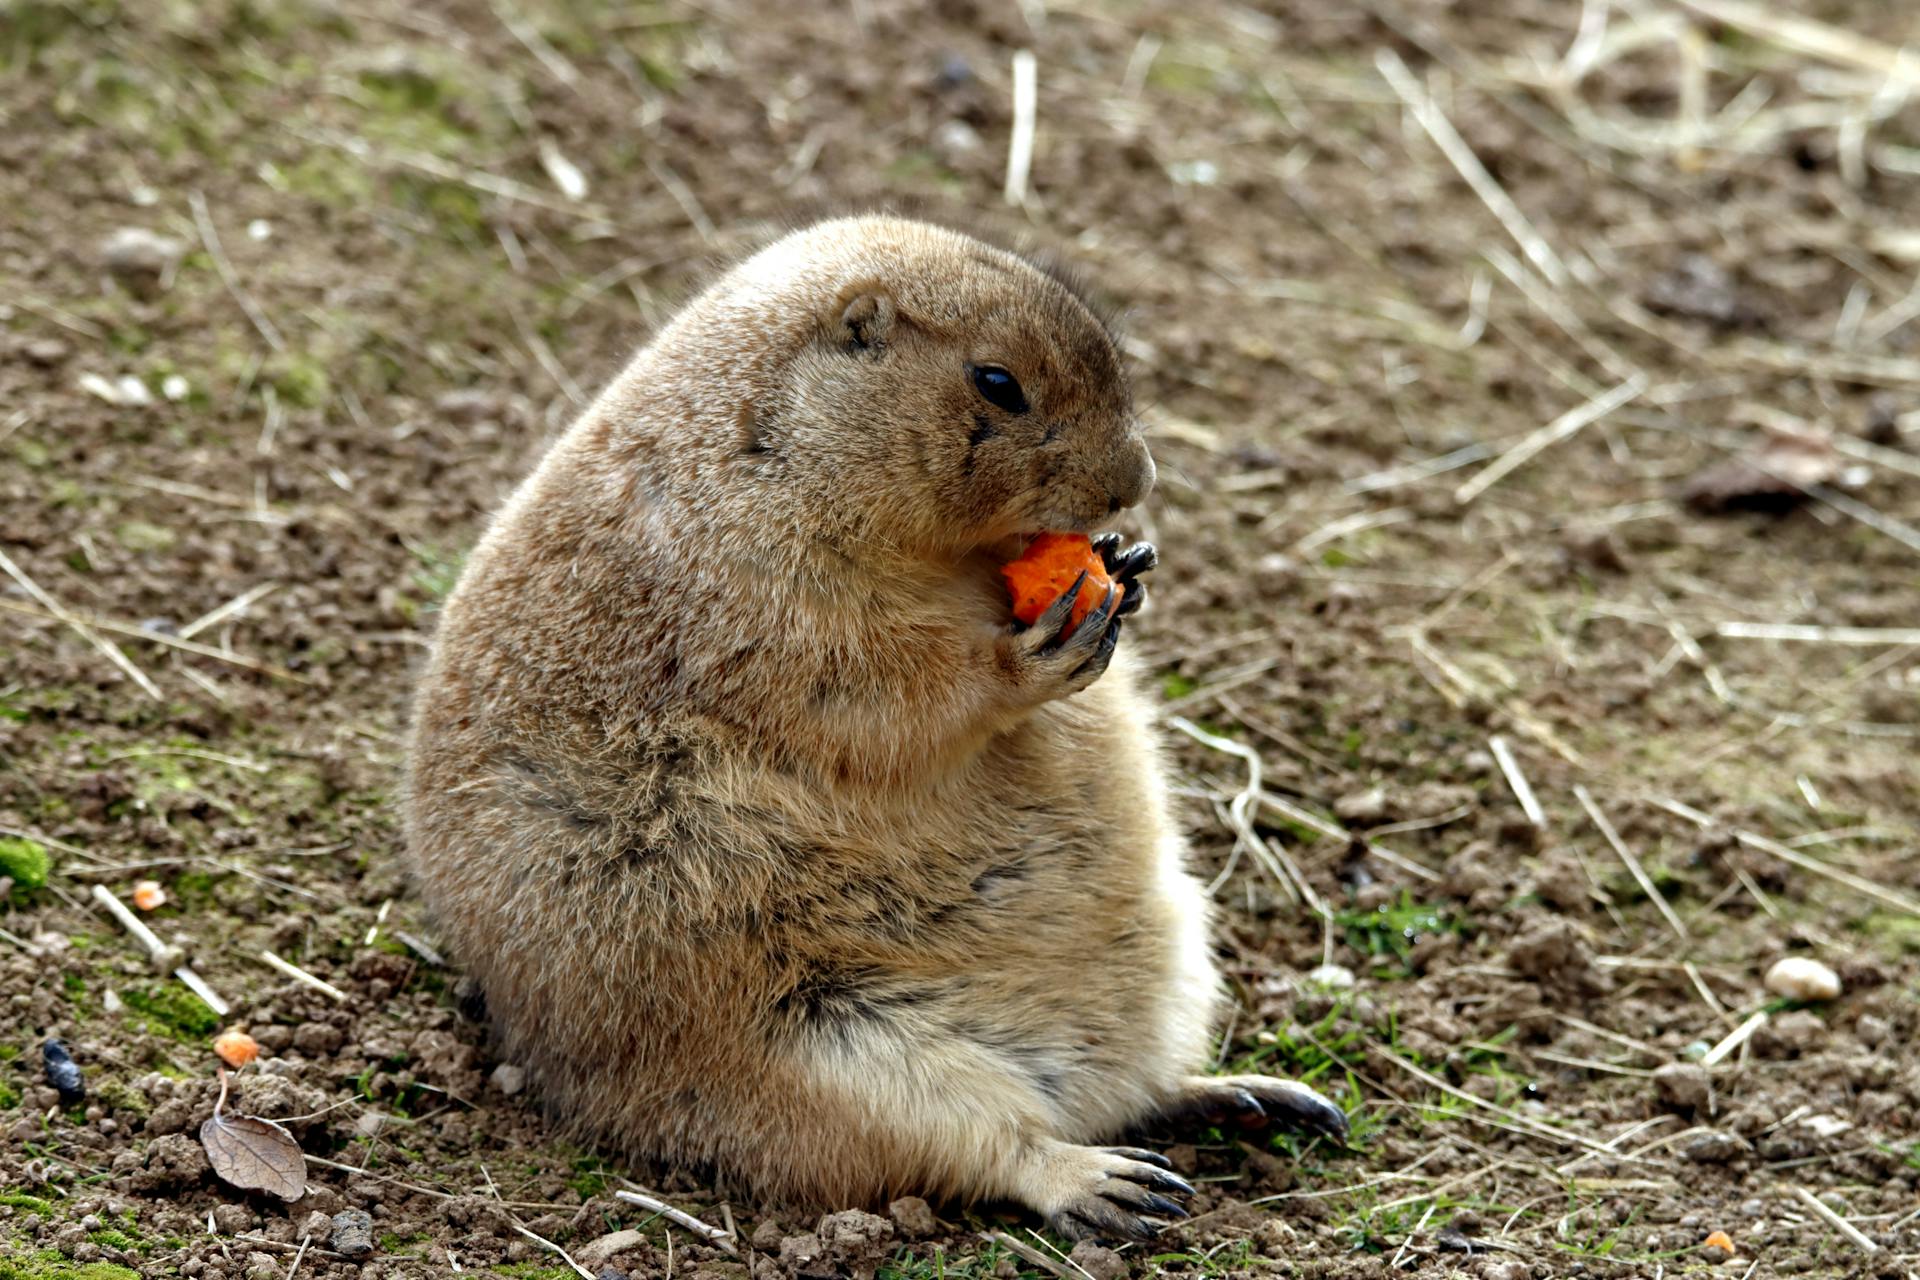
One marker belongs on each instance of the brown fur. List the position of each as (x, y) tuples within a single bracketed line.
[(773, 847)]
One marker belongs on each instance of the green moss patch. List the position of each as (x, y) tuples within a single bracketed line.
[(25, 860)]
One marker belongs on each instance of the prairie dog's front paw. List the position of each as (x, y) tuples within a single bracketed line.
[(1053, 657), (1106, 1193), (1126, 566)]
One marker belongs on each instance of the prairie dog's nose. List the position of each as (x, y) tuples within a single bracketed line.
[(1132, 475)]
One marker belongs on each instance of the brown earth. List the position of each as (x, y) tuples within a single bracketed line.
[(375, 298)]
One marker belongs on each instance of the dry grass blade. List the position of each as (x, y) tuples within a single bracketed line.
[(1323, 826), (54, 610), (1810, 634), (1027, 1253), (1562, 427), (1534, 1127), (1805, 35), (1240, 811), (1026, 102), (1427, 112), (1753, 840), (1626, 856), (553, 1248), (209, 237), (159, 638), (1734, 1039), (1522, 790)]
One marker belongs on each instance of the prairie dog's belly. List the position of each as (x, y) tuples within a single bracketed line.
[(1077, 949)]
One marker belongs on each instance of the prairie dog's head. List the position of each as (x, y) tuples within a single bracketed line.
[(940, 394)]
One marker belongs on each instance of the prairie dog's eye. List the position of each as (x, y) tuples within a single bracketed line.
[(998, 387)]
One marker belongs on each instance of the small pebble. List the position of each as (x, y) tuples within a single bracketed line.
[(175, 388), (913, 1217), (48, 351), (508, 1078), (1362, 806), (1098, 1261), (1802, 978), (353, 1233), (259, 229), (1683, 1085), (1713, 1147), (1333, 977), (1872, 1029), (134, 253)]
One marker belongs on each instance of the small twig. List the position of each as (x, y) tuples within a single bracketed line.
[(299, 1257), (301, 975), (1026, 74), (1359, 522), (1835, 1221), (712, 1234), (420, 947), (20, 942), (54, 610), (1633, 866), (1425, 469), (548, 361), (198, 985), (165, 955), (1054, 1249), (228, 276), (1522, 790)]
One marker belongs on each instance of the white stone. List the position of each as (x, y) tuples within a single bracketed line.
[(1801, 978), (1334, 977)]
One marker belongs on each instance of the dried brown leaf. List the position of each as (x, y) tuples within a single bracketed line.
[(255, 1155), (1773, 476)]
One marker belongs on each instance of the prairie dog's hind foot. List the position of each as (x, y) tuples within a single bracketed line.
[(1256, 1102), (1104, 1193)]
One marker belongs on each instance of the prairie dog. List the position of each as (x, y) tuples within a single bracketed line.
[(776, 847)]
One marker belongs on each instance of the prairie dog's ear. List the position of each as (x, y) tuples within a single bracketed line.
[(863, 318)]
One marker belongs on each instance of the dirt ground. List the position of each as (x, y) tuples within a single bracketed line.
[(292, 292)]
